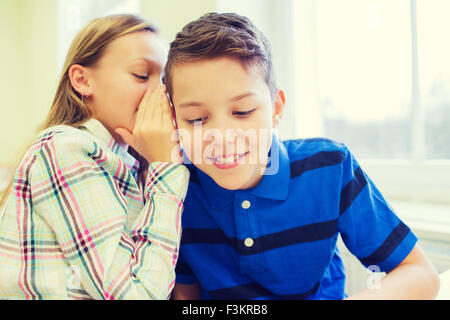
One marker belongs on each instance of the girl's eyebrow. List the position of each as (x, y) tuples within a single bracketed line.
[(242, 96), (234, 99), (148, 61)]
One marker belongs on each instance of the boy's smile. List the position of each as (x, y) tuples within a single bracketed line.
[(225, 114), (228, 161)]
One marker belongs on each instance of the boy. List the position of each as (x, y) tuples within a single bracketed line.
[(262, 216)]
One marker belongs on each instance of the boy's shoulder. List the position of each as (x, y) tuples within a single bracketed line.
[(302, 148)]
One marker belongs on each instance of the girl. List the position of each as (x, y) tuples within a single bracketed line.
[(83, 218)]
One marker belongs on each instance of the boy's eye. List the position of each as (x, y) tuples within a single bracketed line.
[(243, 113), (198, 120), (142, 77)]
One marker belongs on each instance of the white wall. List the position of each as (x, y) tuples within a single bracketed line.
[(171, 16), (29, 71)]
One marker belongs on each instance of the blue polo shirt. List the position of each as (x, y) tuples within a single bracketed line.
[(278, 240)]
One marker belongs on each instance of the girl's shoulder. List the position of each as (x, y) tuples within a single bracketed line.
[(62, 137), (61, 143), (64, 147)]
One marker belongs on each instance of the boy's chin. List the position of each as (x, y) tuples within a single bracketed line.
[(235, 183), (230, 185)]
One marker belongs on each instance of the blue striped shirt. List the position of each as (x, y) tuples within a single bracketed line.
[(278, 240)]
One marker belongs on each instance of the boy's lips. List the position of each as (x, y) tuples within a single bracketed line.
[(228, 161)]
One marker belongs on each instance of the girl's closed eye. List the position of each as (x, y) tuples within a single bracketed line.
[(243, 114), (141, 76)]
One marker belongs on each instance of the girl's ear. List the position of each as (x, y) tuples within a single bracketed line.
[(79, 79), (279, 104)]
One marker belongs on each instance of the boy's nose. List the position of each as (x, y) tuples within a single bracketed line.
[(227, 141)]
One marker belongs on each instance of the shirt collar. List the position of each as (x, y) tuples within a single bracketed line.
[(97, 129), (274, 184)]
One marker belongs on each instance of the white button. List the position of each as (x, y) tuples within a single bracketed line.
[(245, 204), (248, 242)]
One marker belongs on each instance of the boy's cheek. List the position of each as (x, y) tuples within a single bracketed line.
[(193, 151)]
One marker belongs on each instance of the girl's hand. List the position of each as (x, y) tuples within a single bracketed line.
[(154, 135)]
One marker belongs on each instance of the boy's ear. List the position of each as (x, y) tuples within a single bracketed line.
[(279, 104), (79, 79)]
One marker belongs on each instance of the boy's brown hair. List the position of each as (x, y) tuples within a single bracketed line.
[(222, 34)]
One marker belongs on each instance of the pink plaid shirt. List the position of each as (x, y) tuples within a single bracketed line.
[(77, 226)]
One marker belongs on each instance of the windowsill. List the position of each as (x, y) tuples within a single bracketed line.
[(444, 291), (425, 182), (427, 220)]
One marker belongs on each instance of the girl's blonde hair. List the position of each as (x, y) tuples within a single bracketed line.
[(68, 105)]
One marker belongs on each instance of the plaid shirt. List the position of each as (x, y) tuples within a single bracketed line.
[(77, 226)]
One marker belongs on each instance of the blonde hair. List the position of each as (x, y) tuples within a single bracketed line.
[(68, 105)]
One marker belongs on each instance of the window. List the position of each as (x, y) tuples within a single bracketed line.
[(364, 75), (383, 76), (433, 26), (375, 75)]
